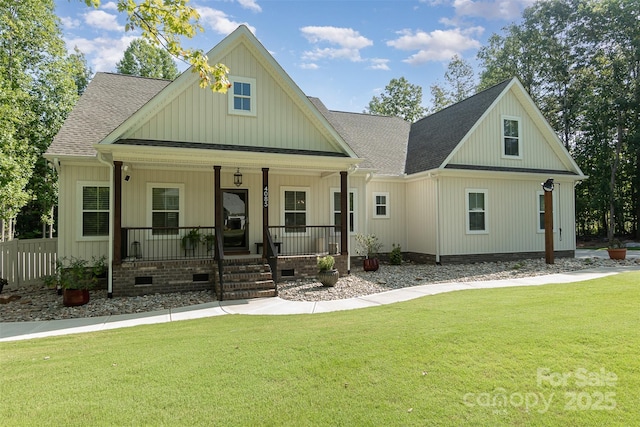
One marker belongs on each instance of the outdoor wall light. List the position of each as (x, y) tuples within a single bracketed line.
[(237, 178), (548, 185)]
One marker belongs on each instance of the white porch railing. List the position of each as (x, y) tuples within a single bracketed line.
[(27, 261)]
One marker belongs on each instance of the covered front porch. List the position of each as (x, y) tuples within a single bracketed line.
[(176, 229)]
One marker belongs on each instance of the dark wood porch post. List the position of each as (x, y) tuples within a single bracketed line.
[(219, 218), (117, 212), (344, 213), (265, 210)]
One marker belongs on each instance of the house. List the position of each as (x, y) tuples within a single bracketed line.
[(143, 164)]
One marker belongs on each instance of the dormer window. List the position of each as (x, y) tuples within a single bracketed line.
[(242, 96), (511, 139)]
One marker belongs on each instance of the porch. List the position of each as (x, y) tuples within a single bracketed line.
[(170, 259)]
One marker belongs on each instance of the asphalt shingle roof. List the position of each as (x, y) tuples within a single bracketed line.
[(380, 140), (108, 101), (434, 137)]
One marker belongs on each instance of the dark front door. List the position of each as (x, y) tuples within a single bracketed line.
[(236, 220)]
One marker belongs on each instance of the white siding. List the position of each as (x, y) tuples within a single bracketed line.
[(512, 217), (421, 225), (391, 230), (484, 145), (69, 242), (198, 115)]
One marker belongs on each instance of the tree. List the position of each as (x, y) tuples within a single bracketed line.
[(164, 23), (144, 60), (400, 98), (460, 83), (37, 91), (580, 61)]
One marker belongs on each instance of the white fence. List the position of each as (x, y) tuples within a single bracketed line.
[(27, 261)]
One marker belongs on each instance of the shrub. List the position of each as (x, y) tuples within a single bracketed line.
[(326, 263), (395, 257)]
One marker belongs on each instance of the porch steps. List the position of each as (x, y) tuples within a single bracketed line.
[(246, 278)]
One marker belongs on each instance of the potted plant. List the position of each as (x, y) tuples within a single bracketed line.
[(617, 250), (191, 240), (369, 246), (327, 274), (209, 241), (76, 279)]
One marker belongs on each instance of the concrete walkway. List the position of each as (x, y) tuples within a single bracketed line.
[(13, 331)]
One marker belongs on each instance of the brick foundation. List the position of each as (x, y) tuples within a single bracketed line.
[(148, 277), (474, 258), (303, 266)]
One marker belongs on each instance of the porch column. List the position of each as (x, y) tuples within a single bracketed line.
[(265, 210), (218, 213), (117, 212), (344, 213)]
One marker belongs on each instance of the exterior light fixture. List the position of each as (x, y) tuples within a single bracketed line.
[(548, 185), (237, 178)]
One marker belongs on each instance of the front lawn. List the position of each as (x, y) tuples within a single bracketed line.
[(549, 355)]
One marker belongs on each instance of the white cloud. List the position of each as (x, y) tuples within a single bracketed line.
[(219, 22), (344, 37), (379, 64), (348, 41), (110, 6), (309, 66), (252, 5), (437, 45), (103, 20), (104, 52), (69, 23), (492, 9)]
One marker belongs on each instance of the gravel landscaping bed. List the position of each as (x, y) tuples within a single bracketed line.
[(39, 303)]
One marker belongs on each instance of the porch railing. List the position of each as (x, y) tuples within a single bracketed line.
[(306, 240), (167, 243)]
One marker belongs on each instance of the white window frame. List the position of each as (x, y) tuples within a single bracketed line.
[(307, 210), (376, 204), (231, 96), (181, 210), (504, 137), (539, 211), (485, 192), (80, 185), (353, 210)]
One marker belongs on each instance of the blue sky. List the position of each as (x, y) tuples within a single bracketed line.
[(343, 52)]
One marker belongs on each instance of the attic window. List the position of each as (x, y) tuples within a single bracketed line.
[(511, 146), (242, 96)]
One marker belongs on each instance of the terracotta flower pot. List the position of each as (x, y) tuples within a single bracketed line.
[(618, 253), (370, 264), (75, 297)]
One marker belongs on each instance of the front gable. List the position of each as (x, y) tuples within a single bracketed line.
[(528, 145), (279, 116)]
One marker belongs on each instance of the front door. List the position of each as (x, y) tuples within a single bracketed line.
[(236, 220)]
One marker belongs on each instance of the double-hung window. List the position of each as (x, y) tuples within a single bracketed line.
[(242, 96), (337, 214), (511, 138), (476, 205), (166, 207), (95, 210), (295, 210), (380, 205)]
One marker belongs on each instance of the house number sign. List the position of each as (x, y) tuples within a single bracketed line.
[(265, 196)]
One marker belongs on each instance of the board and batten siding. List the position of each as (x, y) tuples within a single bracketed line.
[(421, 218), (70, 242), (484, 145), (197, 115), (512, 216), (390, 230)]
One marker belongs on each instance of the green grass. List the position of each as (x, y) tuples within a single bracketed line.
[(438, 360)]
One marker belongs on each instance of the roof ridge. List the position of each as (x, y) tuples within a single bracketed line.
[(133, 76)]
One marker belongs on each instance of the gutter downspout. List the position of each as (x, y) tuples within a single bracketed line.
[(352, 169), (104, 161)]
